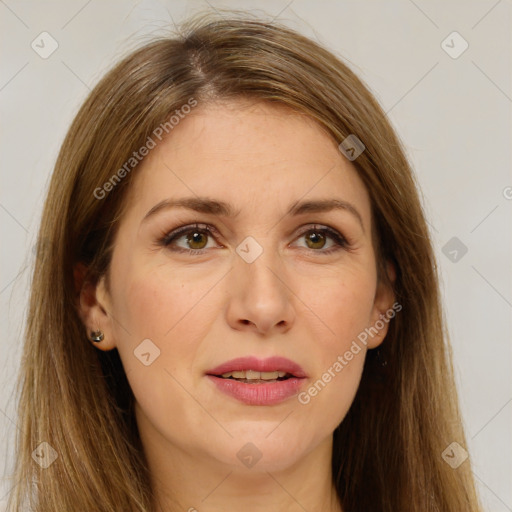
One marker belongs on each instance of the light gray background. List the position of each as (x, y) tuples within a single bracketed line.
[(454, 116)]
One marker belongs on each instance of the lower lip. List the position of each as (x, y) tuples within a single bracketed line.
[(257, 393)]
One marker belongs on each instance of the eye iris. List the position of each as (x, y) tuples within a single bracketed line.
[(315, 238), (192, 238)]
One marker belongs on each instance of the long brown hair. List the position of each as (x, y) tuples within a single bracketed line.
[(387, 453)]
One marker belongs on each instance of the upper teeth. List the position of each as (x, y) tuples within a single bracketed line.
[(251, 374)]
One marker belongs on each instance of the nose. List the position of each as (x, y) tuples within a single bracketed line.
[(260, 297)]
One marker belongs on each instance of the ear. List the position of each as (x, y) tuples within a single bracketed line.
[(93, 307), (383, 303)]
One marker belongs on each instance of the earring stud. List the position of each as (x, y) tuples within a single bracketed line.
[(96, 336)]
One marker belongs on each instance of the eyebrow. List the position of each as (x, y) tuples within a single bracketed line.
[(220, 208)]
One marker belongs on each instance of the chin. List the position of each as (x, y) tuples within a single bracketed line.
[(259, 451)]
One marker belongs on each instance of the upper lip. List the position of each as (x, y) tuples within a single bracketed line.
[(270, 364)]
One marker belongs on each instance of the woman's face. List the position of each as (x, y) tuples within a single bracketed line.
[(278, 279)]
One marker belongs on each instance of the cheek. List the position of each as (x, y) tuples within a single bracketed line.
[(328, 398), (343, 302), (161, 303), (337, 374), (165, 319)]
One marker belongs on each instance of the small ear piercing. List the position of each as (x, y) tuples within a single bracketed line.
[(96, 336)]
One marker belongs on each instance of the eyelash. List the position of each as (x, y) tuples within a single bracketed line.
[(340, 242)]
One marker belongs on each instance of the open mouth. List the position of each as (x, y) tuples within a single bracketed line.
[(255, 381), (255, 377)]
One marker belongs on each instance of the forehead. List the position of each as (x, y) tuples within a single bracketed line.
[(256, 156)]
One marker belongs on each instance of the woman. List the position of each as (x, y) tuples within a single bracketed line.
[(235, 301)]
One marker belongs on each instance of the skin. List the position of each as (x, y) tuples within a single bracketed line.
[(202, 310)]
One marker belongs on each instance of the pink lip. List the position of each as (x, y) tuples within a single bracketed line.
[(259, 393)]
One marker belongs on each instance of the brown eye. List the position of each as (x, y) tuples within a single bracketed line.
[(191, 239), (197, 239), (315, 240), (323, 240)]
